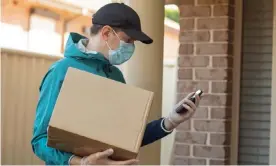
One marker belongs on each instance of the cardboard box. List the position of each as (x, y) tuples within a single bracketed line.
[(93, 113)]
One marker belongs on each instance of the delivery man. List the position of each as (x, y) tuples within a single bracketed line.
[(115, 29)]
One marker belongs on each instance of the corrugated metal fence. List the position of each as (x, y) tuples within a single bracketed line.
[(21, 74)]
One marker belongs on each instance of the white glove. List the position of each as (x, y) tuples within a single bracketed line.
[(174, 118)]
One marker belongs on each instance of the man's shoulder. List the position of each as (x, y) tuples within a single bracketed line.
[(60, 67), (118, 74), (60, 64), (56, 71)]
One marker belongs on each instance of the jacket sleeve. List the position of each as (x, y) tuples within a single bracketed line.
[(154, 131), (49, 91)]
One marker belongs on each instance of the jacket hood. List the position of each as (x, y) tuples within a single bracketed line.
[(73, 51)]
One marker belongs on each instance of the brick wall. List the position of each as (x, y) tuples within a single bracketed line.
[(205, 62)]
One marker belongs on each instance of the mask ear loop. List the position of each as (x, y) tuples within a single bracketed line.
[(116, 34), (117, 37), (108, 45)]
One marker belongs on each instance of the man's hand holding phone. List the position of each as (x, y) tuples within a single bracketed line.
[(183, 111)]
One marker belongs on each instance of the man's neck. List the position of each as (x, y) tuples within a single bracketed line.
[(95, 44)]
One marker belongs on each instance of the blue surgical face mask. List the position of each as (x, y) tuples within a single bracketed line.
[(122, 53)]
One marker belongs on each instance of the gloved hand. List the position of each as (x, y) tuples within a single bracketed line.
[(174, 118)]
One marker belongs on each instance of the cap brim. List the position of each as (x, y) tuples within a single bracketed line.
[(138, 35)]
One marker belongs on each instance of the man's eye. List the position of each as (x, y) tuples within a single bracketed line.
[(130, 41)]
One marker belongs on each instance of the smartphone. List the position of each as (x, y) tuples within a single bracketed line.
[(181, 109)]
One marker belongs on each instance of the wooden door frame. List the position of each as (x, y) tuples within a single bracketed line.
[(272, 151), (236, 82), (236, 87)]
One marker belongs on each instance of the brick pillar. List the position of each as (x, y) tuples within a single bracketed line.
[(205, 62)]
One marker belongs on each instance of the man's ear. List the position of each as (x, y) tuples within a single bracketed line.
[(105, 32)]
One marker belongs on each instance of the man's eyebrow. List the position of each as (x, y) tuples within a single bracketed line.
[(127, 38)]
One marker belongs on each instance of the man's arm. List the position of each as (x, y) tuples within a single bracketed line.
[(160, 128), (155, 130), (49, 91)]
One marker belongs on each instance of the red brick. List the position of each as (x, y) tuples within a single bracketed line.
[(220, 139), (223, 10), (225, 62), (187, 24), (186, 49), (214, 48), (201, 113), (215, 100), (181, 149), (185, 74), (212, 125), (195, 11), (212, 2), (213, 23), (193, 61), (187, 2), (211, 152), (219, 162), (185, 126), (220, 113), (191, 137), (194, 36), (188, 161), (191, 86), (213, 74), (221, 87), (223, 35)]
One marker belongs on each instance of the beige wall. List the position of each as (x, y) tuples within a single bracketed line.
[(20, 80), (145, 68)]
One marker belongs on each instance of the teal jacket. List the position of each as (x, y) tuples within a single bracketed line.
[(92, 62)]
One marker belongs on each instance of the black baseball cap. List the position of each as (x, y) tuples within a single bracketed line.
[(121, 16)]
